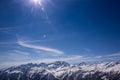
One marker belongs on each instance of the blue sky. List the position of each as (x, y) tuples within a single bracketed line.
[(50, 30)]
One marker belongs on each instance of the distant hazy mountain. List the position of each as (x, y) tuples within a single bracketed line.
[(61, 70)]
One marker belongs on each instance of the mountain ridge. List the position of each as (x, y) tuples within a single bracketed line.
[(61, 70)]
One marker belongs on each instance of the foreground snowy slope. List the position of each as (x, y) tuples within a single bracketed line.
[(61, 70)]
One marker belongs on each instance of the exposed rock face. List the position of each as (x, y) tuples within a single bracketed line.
[(61, 70)]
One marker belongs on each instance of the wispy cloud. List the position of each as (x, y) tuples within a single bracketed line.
[(14, 55), (46, 60), (98, 57), (109, 57), (8, 30), (114, 54), (74, 58), (68, 58), (87, 49), (55, 51)]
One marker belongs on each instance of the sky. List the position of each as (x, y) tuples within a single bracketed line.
[(51, 30)]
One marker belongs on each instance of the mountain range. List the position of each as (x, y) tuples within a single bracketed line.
[(61, 70)]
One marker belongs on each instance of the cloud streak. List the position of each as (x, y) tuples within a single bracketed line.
[(45, 60), (109, 57), (115, 54), (70, 58), (14, 55), (55, 51)]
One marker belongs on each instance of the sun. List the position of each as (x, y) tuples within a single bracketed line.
[(36, 2)]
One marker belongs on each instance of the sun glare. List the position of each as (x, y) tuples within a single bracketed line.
[(36, 1)]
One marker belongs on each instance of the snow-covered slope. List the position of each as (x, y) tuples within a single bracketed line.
[(61, 70)]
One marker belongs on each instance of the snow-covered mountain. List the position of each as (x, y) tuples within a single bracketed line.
[(61, 70)]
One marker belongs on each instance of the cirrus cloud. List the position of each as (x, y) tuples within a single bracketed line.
[(55, 51)]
